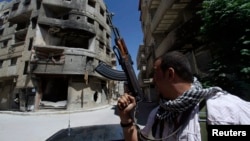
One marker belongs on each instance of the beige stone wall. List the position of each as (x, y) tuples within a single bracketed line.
[(85, 96), (38, 30)]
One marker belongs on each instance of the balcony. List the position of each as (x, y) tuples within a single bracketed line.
[(167, 14)]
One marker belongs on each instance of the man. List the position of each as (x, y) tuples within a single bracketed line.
[(176, 117)]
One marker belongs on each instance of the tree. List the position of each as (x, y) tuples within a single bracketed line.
[(225, 24)]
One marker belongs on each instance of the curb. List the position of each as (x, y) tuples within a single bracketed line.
[(54, 111)]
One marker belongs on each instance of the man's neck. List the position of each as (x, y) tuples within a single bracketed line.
[(180, 88)]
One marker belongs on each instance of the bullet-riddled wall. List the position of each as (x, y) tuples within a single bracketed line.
[(49, 50)]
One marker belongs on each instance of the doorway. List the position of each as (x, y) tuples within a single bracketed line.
[(55, 92)]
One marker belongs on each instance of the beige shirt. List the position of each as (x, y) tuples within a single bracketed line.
[(223, 109), (190, 132), (227, 109)]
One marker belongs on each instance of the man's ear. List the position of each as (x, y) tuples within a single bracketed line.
[(171, 73)]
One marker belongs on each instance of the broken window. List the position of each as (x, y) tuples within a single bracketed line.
[(1, 63), (101, 11), (75, 40), (101, 27), (6, 13), (1, 31), (95, 96), (1, 86), (91, 3), (90, 20), (26, 2), (38, 3), (57, 12), (1, 23), (21, 26), (107, 36), (101, 45), (66, 37), (49, 55), (89, 64), (107, 51), (11, 24), (4, 18), (15, 6), (65, 17), (30, 44), (34, 22), (67, 0), (4, 44), (13, 61), (26, 67), (20, 36)]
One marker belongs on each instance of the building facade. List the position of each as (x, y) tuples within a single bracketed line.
[(169, 25), (48, 53)]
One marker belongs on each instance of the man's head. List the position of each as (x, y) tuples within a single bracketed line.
[(171, 69)]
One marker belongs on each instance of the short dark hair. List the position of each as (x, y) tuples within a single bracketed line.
[(179, 63)]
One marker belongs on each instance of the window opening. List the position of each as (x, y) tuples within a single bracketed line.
[(26, 2), (1, 63), (108, 51), (91, 3), (26, 67), (30, 44), (89, 20), (13, 61), (15, 6), (101, 27), (5, 43), (65, 17), (34, 22), (102, 11), (38, 3), (101, 45)]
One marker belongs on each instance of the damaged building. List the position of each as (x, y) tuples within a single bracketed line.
[(48, 53), (167, 26)]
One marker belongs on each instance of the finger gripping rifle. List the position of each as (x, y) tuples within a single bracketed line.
[(125, 61)]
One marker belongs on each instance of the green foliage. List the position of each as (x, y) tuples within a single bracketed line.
[(226, 25)]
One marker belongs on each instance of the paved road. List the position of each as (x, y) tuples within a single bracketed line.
[(41, 126)]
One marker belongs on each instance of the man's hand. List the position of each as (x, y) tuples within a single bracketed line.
[(126, 104)]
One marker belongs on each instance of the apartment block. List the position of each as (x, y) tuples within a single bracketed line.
[(48, 52), (169, 25)]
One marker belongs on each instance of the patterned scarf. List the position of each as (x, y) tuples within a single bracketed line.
[(169, 110)]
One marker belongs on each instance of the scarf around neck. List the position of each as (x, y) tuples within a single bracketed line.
[(171, 109)]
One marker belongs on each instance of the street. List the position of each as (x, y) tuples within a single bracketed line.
[(42, 125)]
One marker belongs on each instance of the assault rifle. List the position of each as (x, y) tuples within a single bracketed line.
[(125, 61)]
